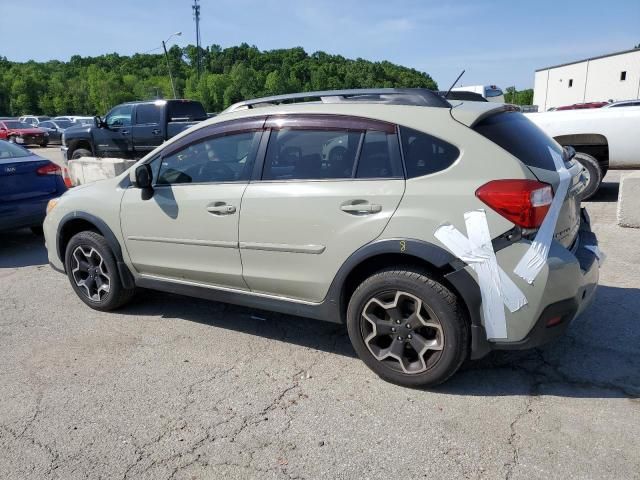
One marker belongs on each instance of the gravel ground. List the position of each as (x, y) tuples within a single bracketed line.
[(172, 387)]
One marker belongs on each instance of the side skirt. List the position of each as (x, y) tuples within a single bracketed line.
[(326, 311)]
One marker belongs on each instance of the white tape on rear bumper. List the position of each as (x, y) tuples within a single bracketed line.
[(496, 288), (536, 256)]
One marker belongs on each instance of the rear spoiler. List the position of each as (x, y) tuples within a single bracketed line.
[(470, 113)]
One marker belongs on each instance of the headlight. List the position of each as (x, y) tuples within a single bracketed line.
[(52, 204)]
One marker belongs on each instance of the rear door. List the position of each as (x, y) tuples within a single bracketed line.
[(328, 185), (147, 130)]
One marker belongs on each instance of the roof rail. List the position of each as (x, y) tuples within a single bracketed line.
[(390, 96)]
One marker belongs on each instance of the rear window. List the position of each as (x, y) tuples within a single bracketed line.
[(10, 150), (521, 138), (186, 111)]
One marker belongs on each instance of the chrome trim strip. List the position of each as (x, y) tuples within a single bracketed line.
[(227, 289), (283, 247), (185, 241)]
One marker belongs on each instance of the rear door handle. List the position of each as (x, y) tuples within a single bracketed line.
[(222, 209), (361, 208), (156, 131), (124, 132)]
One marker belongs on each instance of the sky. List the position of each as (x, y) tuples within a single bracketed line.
[(496, 42)]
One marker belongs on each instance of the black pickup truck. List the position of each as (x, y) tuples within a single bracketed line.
[(131, 130)]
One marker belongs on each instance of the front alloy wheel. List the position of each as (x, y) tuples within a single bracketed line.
[(90, 273), (402, 332)]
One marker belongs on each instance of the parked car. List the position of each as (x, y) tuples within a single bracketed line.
[(623, 103), (582, 106), (22, 133), (33, 120), (27, 183), (132, 130), (491, 93), (605, 138), (55, 129), (463, 95), (243, 209)]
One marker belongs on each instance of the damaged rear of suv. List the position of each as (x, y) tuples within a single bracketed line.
[(436, 231)]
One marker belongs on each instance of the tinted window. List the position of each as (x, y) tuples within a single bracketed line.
[(310, 154), (63, 123), (492, 92), (46, 125), (148, 113), (120, 116), (521, 138), (186, 111), (380, 156), (17, 125), (10, 150), (220, 159), (425, 154)]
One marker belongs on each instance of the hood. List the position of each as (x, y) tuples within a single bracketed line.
[(27, 131)]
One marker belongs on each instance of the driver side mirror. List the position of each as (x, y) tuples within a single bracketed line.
[(142, 177), (99, 123)]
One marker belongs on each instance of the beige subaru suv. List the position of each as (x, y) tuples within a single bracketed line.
[(435, 231)]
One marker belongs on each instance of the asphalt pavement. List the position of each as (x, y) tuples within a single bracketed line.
[(174, 387)]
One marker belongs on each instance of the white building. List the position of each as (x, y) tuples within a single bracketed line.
[(609, 77)]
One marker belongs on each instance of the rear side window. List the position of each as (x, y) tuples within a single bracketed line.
[(425, 154), (147, 113), (380, 156), (186, 111), (521, 138), (310, 154)]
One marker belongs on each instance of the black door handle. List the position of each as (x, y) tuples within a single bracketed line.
[(156, 131)]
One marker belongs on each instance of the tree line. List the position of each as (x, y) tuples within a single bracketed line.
[(92, 85)]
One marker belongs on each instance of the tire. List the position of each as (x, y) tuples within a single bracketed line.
[(99, 268), (594, 172), (376, 346), (44, 144), (37, 230), (80, 152)]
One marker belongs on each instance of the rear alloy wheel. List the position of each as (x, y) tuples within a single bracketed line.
[(93, 273), (592, 172), (408, 328)]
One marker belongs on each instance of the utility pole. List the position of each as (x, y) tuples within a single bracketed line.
[(196, 16), (166, 56)]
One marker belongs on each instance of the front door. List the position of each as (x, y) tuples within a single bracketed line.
[(114, 139), (329, 185), (188, 229)]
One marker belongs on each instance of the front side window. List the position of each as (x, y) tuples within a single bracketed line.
[(311, 154), (214, 160), (425, 154), (120, 116)]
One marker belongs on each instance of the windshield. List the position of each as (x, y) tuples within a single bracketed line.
[(15, 124), (492, 92), (11, 150)]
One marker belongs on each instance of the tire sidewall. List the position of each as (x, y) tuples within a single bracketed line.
[(455, 348), (74, 155)]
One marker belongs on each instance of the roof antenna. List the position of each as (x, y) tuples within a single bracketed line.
[(453, 84)]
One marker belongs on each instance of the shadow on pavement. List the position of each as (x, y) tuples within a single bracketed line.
[(21, 248), (608, 192), (599, 357)]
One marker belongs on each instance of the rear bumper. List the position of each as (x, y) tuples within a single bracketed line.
[(573, 274), (24, 213)]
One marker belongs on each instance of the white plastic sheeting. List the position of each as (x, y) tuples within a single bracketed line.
[(496, 288)]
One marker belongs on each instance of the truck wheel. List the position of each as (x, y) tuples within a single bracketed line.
[(407, 327), (93, 273), (80, 152), (594, 174)]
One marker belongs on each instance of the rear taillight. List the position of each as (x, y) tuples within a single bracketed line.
[(49, 169), (523, 202)]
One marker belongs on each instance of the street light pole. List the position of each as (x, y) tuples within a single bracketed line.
[(166, 56)]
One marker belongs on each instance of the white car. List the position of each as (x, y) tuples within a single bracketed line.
[(491, 92), (605, 138)]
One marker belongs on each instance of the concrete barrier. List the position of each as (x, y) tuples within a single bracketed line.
[(91, 169), (629, 200)]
